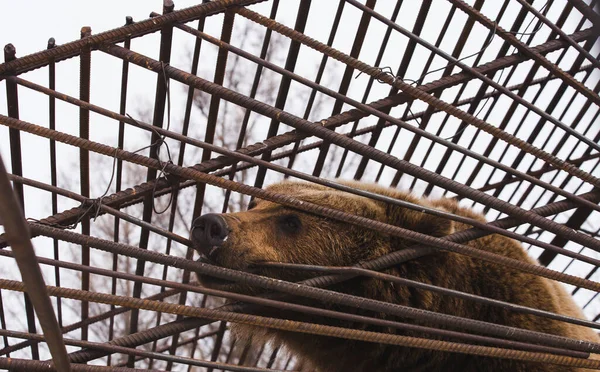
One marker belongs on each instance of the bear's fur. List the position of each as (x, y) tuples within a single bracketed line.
[(271, 232)]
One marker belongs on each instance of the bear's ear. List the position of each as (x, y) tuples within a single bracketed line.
[(419, 221)]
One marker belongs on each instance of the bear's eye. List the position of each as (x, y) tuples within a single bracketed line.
[(290, 223)]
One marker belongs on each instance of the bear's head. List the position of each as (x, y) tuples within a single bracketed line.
[(272, 232)]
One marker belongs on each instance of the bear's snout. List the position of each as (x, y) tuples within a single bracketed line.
[(209, 232)]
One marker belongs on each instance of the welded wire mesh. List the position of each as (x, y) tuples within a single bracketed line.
[(494, 104)]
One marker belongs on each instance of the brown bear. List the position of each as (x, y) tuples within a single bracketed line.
[(272, 232)]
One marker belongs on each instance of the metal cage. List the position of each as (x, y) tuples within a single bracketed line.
[(494, 104)]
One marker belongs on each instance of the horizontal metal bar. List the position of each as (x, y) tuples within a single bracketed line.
[(310, 328)]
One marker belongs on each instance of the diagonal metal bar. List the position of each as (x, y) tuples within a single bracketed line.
[(526, 50), (418, 93), (316, 329), (539, 58), (360, 148), (588, 12), (560, 32), (17, 235), (327, 212), (72, 49), (124, 197)]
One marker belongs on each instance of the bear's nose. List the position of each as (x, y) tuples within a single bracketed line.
[(209, 232)]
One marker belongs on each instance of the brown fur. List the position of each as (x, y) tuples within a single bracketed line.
[(260, 235)]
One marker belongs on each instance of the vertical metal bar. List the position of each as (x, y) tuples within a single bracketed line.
[(290, 65), (588, 12), (118, 179), (245, 352), (382, 49), (313, 93), (84, 165), (509, 113), (407, 111), (175, 196), (3, 325), (231, 348), (524, 86), (218, 342), (213, 116), (273, 357), (12, 102), (213, 112), (253, 91), (363, 26), (53, 173), (17, 234), (564, 36), (166, 38), (401, 72), (531, 53), (456, 53)]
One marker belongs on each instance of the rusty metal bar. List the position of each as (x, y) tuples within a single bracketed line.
[(587, 12), (341, 97), (481, 92), (106, 209), (311, 100), (327, 212), (475, 223), (119, 173), (84, 162), (211, 124), (540, 122), (16, 364), (253, 92), (135, 352), (16, 160), (277, 168), (359, 39), (339, 315), (403, 67), (192, 173), (493, 26), (12, 103), (122, 198), (160, 98), (90, 320), (317, 329), (509, 37), (359, 271), (218, 343), (363, 149), (284, 86), (72, 49), (560, 32), (215, 101), (53, 177), (417, 93), (175, 191), (17, 235), (546, 210), (320, 294)]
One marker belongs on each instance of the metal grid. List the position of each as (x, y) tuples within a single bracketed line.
[(508, 125)]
